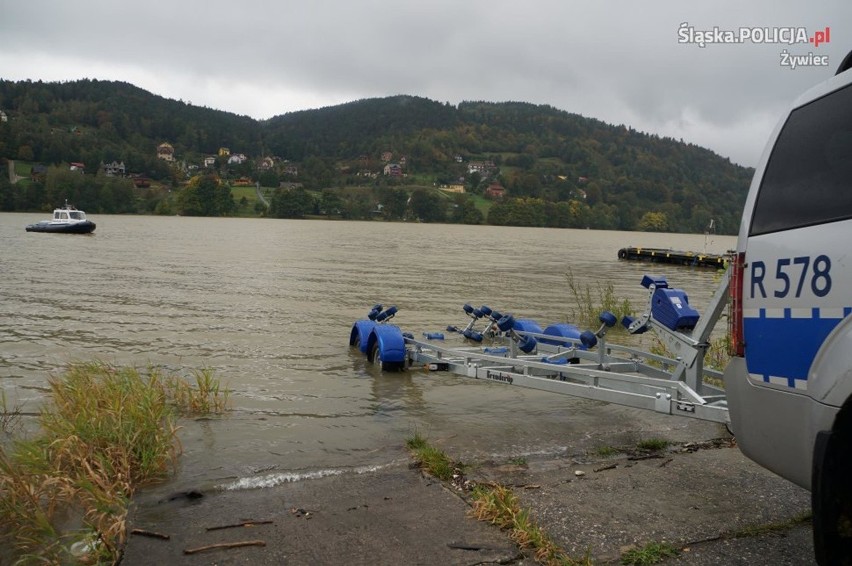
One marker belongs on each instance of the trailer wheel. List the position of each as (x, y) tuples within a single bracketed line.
[(386, 348), (375, 356)]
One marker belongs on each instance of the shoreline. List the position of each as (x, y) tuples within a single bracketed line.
[(706, 499)]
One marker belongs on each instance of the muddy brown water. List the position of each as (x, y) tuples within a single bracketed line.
[(269, 304)]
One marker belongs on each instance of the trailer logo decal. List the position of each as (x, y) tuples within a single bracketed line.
[(499, 376)]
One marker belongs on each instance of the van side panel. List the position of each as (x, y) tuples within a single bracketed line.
[(830, 380), (766, 424), (794, 295)]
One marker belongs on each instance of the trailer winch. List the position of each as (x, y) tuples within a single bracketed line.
[(562, 359)]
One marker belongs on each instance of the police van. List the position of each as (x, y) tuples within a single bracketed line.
[(789, 382)]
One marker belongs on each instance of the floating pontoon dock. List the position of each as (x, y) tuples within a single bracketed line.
[(659, 255)]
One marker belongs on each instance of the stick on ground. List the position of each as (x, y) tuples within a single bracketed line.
[(152, 534), (241, 524), (224, 545)]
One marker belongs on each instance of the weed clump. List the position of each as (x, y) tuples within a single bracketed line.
[(651, 553), (105, 432), (494, 503)]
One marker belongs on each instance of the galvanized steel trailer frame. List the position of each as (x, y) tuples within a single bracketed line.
[(611, 373)]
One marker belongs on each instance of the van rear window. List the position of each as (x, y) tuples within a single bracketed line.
[(808, 179)]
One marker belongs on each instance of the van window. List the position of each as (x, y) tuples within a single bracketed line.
[(808, 179)]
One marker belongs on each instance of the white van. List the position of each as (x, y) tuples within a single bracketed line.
[(789, 384)]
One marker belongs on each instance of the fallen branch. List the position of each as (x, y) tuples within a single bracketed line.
[(609, 467), (242, 524), (224, 545), (152, 534)]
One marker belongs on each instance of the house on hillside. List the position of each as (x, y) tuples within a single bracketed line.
[(3, 117), (114, 169), (387, 156), (495, 191), (237, 159), (166, 152), (481, 167), (224, 152), (393, 170), (77, 167), (266, 164), (140, 181), (291, 170), (209, 161)]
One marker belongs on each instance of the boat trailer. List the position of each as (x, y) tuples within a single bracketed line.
[(563, 359)]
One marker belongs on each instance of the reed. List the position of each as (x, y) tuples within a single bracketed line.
[(10, 417), (590, 302), (105, 432)]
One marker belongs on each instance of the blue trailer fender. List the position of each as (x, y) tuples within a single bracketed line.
[(361, 333), (386, 346)]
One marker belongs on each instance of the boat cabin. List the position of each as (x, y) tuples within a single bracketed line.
[(66, 214)]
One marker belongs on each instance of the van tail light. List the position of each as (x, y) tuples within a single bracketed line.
[(735, 307)]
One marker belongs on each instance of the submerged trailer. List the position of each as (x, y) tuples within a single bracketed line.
[(562, 359)]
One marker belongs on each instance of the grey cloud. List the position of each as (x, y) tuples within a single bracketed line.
[(613, 60)]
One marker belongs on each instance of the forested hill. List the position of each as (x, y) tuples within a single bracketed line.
[(615, 173)]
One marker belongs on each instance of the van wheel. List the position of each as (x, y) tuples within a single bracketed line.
[(831, 493)]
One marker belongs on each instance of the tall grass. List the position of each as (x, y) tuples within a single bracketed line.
[(105, 432), (590, 302), (715, 357)]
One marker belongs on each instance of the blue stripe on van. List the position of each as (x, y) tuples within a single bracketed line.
[(785, 347)]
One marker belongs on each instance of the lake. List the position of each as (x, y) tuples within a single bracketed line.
[(269, 304)]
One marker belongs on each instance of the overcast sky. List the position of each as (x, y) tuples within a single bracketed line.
[(622, 61)]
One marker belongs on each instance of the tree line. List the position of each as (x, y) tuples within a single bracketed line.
[(557, 168)]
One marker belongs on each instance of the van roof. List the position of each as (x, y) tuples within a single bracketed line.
[(846, 64)]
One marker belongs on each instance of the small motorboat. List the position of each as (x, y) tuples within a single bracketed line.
[(66, 220)]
